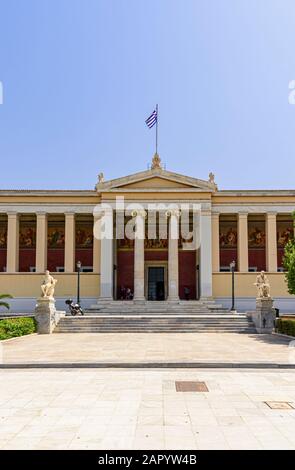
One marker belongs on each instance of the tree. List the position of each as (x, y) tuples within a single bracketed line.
[(289, 263), (5, 304)]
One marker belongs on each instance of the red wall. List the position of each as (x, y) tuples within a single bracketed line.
[(85, 255), (2, 259), (227, 255), (187, 273), (125, 270), (257, 258), (55, 257), (156, 255), (27, 258)]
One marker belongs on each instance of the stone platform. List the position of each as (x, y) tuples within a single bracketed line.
[(127, 349)]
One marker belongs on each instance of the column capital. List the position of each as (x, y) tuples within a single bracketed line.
[(41, 213), (271, 214), (69, 213), (173, 213), (12, 213), (216, 215), (243, 214), (205, 212), (139, 213)]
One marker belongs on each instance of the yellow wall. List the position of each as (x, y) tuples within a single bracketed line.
[(28, 284), (244, 285)]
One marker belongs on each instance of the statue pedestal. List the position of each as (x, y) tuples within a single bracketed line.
[(264, 316), (45, 314)]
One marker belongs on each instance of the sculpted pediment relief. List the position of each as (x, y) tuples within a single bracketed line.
[(156, 179), (156, 183)]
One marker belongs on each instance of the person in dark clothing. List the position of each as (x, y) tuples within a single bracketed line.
[(186, 293)]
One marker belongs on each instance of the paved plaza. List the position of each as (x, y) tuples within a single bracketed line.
[(140, 409), (145, 348)]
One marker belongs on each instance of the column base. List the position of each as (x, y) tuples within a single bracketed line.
[(173, 299), (139, 300)]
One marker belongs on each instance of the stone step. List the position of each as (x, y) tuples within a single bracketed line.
[(160, 325), (149, 325), (154, 312), (152, 322), (156, 330), (156, 321)]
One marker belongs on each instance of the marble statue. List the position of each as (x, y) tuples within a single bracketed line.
[(211, 178), (263, 286), (48, 286), (101, 177), (156, 162)]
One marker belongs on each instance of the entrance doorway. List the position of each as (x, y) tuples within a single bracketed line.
[(156, 283)]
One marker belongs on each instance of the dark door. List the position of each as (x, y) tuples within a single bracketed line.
[(156, 283)]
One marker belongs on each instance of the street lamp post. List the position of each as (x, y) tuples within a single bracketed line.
[(232, 268), (79, 265)]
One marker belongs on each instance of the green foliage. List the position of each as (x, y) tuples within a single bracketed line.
[(5, 304), (13, 327), (287, 327), (289, 263)]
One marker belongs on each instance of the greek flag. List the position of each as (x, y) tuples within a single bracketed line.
[(151, 121)]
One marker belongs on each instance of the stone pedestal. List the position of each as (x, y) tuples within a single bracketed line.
[(46, 315), (264, 316)]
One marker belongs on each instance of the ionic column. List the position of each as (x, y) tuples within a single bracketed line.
[(105, 229), (215, 243), (243, 262), (41, 242), (139, 254), (12, 262), (173, 233), (271, 242), (96, 246), (206, 255), (69, 242)]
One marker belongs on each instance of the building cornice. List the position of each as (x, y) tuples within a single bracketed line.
[(49, 193), (254, 192)]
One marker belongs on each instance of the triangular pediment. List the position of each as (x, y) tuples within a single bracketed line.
[(156, 179), (156, 183)]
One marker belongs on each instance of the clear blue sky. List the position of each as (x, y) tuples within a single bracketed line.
[(81, 76)]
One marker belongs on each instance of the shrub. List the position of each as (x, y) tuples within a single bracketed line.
[(287, 327), (289, 263), (12, 327)]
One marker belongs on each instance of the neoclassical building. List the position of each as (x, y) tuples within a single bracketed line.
[(53, 229)]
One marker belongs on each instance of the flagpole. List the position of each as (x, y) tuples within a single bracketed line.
[(157, 130)]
